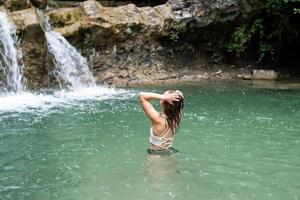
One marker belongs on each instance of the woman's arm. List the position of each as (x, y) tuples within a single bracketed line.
[(151, 96), (146, 97)]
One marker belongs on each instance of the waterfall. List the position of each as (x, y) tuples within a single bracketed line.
[(71, 67), (9, 55)]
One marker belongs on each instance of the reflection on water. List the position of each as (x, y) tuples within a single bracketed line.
[(236, 142), (160, 169)]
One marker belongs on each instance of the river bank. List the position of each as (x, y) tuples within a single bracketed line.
[(239, 76)]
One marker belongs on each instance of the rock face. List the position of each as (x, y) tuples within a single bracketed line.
[(112, 3), (33, 44), (129, 44), (14, 5), (264, 75), (132, 44), (41, 4), (113, 24)]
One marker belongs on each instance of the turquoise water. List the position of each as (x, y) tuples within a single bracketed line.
[(236, 142)]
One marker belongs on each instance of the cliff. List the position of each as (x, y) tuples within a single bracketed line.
[(128, 44)]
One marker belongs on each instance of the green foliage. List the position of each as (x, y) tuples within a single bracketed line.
[(296, 10), (243, 35), (278, 5), (239, 41), (175, 28), (269, 32)]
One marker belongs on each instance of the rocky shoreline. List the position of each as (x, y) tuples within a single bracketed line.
[(202, 79), (155, 78)]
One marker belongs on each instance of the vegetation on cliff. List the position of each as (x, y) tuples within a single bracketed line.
[(273, 35)]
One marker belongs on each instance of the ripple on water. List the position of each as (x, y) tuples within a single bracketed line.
[(229, 148)]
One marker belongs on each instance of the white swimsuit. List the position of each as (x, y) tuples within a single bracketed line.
[(162, 142)]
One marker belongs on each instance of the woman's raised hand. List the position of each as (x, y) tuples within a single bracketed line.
[(170, 98)]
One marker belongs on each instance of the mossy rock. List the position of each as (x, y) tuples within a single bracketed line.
[(175, 29), (65, 16), (14, 5)]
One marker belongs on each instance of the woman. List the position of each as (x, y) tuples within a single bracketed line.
[(166, 123)]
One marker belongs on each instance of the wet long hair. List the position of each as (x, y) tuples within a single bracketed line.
[(173, 112)]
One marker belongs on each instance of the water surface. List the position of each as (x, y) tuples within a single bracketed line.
[(236, 142)]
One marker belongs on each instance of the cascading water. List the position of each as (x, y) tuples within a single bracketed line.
[(72, 70), (9, 55), (72, 67)]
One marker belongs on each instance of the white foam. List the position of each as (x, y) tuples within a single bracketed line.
[(94, 92), (24, 100), (27, 101)]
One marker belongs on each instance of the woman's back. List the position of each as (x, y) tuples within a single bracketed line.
[(165, 124)]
